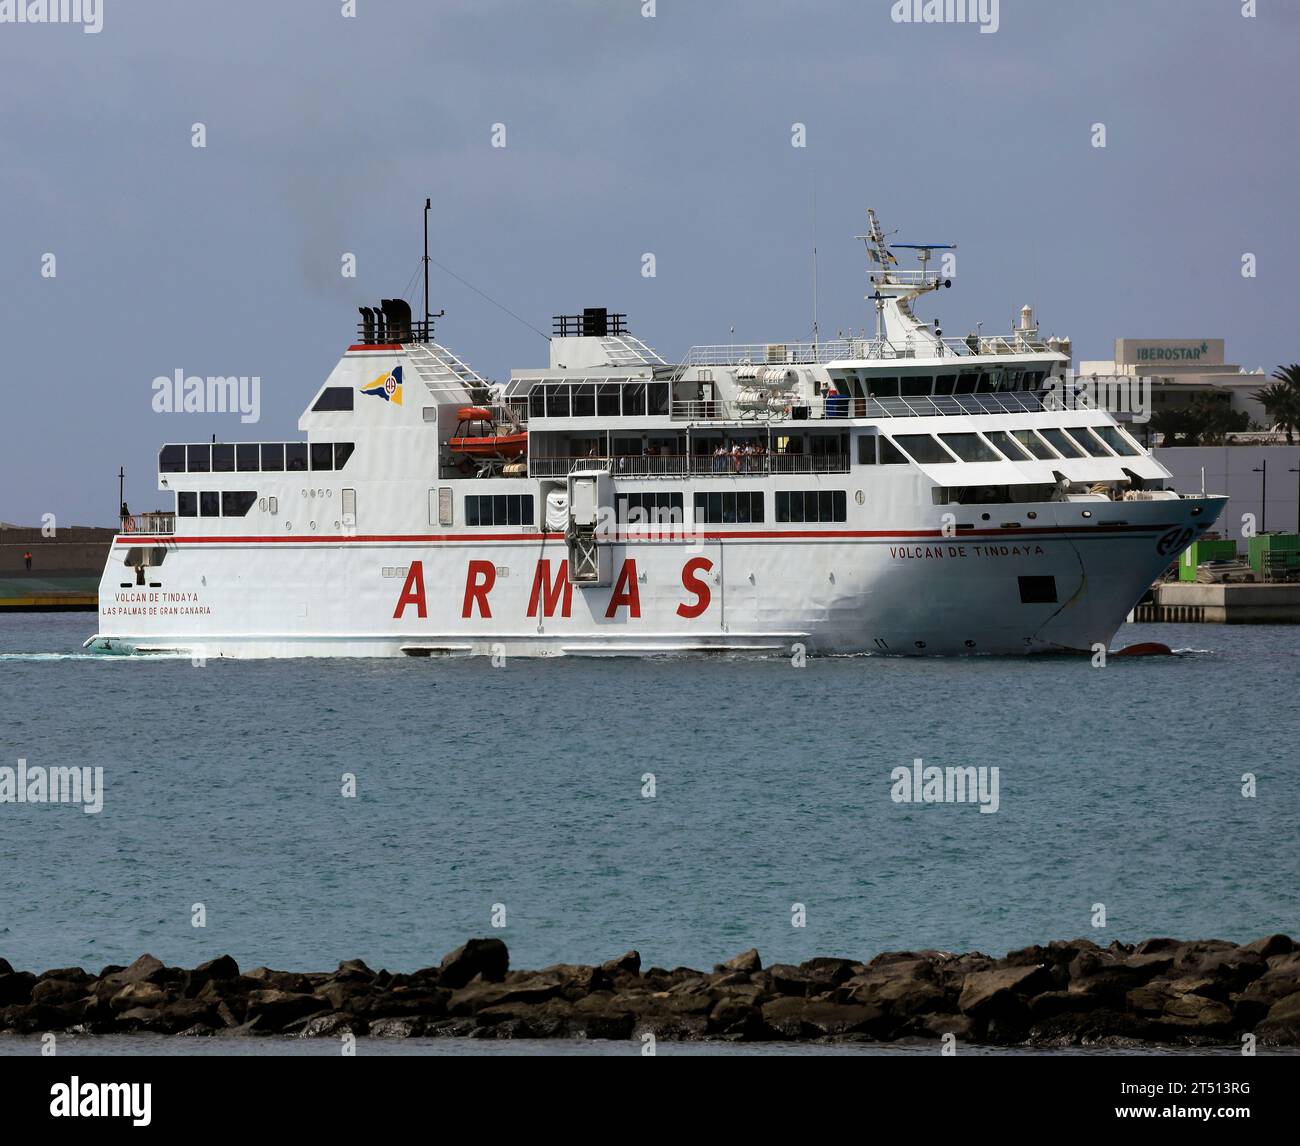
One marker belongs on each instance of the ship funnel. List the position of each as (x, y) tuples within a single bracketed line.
[(367, 325), (397, 316)]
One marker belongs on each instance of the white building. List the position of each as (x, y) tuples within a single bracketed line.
[(1181, 370)]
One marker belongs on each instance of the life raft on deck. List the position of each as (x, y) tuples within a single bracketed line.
[(479, 434)]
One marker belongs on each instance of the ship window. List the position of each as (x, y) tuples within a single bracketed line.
[(342, 451), (322, 455), (966, 383), (246, 457), (811, 506), (152, 556), (223, 458), (1011, 446), (187, 503), (334, 398), (915, 387), (1080, 436), (348, 506), (882, 387), (537, 402), (273, 456), (743, 507), (945, 383), (198, 459), (209, 503), (584, 401), (557, 401), (923, 448), (867, 450), (501, 509), (890, 454), (985, 383), (657, 397), (654, 508), (171, 460), (633, 399), (970, 448), (1033, 443), (1117, 441), (607, 404), (237, 502), (1062, 445), (295, 455), (1037, 590), (1033, 378)]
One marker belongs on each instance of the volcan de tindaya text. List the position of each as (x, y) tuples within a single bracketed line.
[(903, 493)]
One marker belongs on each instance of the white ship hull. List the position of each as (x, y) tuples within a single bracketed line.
[(824, 591)]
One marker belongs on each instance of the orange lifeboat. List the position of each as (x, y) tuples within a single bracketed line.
[(479, 434)]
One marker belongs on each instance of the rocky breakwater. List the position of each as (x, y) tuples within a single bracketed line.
[(1067, 993)]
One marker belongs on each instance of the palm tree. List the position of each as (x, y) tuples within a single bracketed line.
[(1281, 400)]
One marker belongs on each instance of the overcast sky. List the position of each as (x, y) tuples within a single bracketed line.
[(625, 135)]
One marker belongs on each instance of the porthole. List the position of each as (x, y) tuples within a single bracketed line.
[(920, 644), (860, 497), (1032, 515), (1087, 513), (984, 517)]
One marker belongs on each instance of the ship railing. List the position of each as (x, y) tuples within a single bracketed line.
[(846, 406), (860, 349), (148, 524), (694, 465)]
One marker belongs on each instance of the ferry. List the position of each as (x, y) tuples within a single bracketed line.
[(901, 492)]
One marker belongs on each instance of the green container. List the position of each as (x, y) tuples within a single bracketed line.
[(1275, 543), (1206, 549)]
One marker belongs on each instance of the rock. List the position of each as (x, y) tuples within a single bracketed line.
[(138, 994), (221, 968), (6, 968), (626, 964), (986, 994), (747, 961), (1268, 946), (1150, 946), (487, 957), (810, 1018), (146, 969), (962, 1027), (789, 980), (57, 991), (330, 1026), (396, 1028), (571, 976), (1282, 1025), (900, 995), (16, 987), (832, 968), (274, 1009), (402, 1002), (67, 974), (288, 981)]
